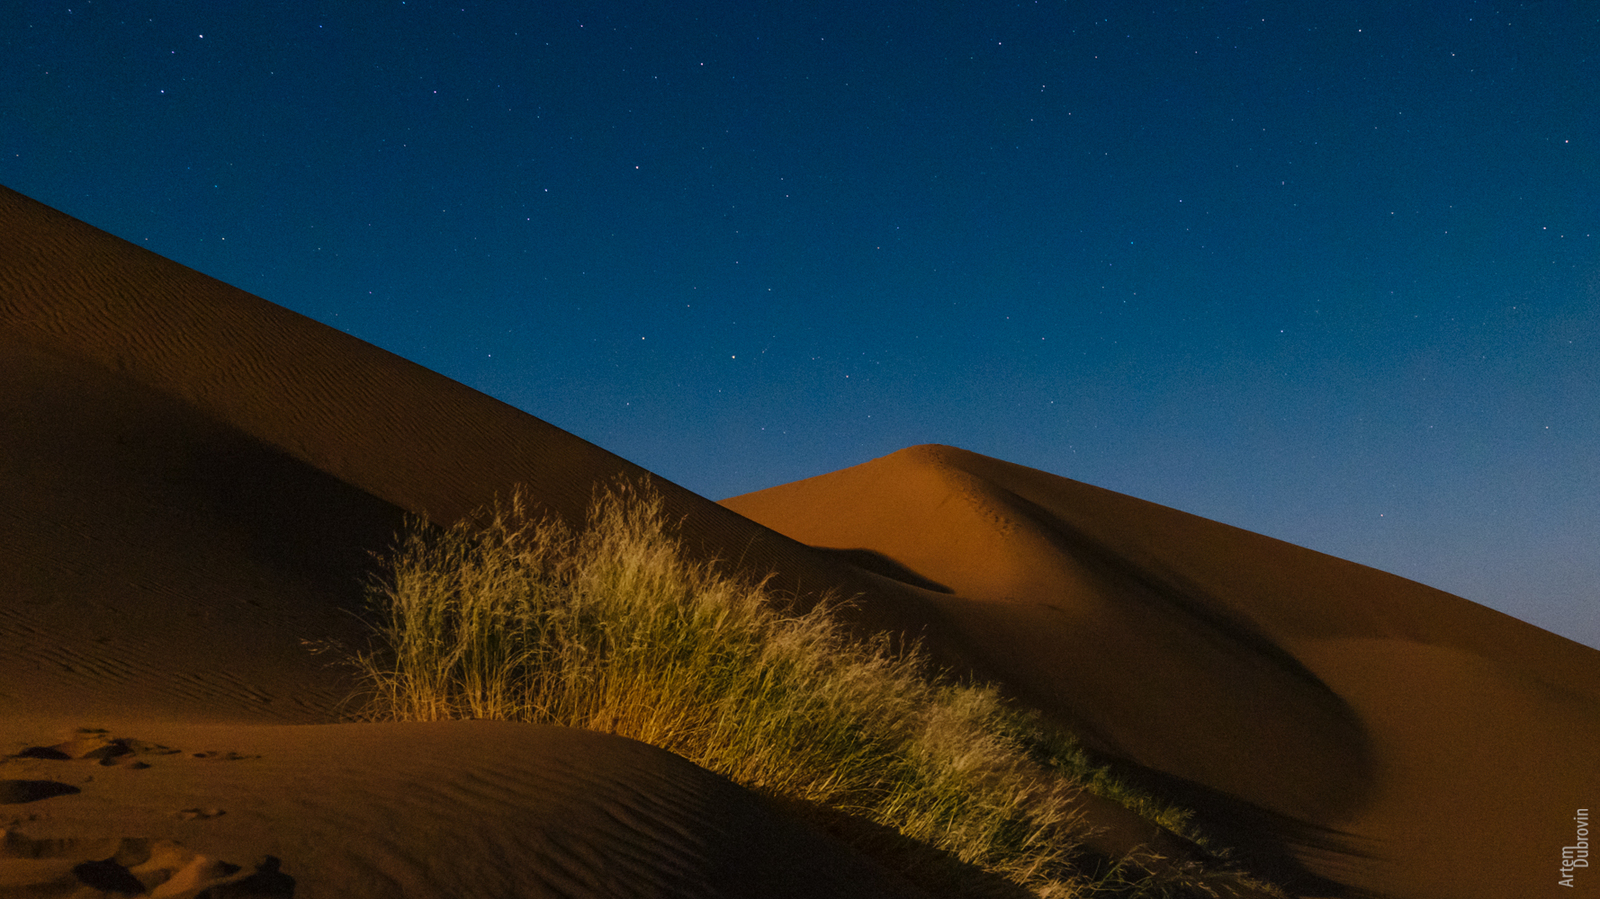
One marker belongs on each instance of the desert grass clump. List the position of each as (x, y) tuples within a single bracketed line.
[(612, 628)]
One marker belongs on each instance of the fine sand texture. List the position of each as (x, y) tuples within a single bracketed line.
[(193, 482), (463, 808), (1386, 736)]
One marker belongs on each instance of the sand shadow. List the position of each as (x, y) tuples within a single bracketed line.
[(885, 566), (16, 792), (1259, 840)]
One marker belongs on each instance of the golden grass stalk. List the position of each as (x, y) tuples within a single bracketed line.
[(611, 628)]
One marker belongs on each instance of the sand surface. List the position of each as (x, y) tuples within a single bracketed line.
[(466, 808), (193, 482), (1385, 736)]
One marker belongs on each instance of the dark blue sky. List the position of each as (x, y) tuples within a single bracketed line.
[(1329, 272)]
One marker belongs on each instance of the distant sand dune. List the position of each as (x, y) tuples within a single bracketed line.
[(1414, 743), (192, 482)]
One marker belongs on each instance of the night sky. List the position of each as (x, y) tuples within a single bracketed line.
[(1329, 272)]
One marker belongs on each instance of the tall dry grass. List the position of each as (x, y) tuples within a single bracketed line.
[(611, 628)]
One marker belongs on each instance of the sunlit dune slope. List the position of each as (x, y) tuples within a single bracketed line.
[(1417, 744), (193, 482)]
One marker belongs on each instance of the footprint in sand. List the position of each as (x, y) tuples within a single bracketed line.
[(126, 866), (98, 745), (228, 756), (16, 792), (161, 869)]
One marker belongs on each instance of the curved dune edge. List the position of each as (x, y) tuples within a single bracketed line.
[(194, 479), (386, 426), (194, 483), (189, 462), (464, 808), (1413, 743)]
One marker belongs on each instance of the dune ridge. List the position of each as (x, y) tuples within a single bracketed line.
[(128, 365), (1369, 720), (192, 484), (193, 480), (389, 427)]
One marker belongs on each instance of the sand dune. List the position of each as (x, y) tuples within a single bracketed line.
[(472, 808), (191, 451), (1396, 738), (192, 481)]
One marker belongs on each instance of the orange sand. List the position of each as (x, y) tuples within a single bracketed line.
[(192, 481)]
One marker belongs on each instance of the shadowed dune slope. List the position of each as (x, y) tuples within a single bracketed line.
[(192, 481), (1414, 743), (157, 561), (187, 462), (391, 428)]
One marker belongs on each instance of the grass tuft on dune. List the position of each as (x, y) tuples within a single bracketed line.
[(611, 628)]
